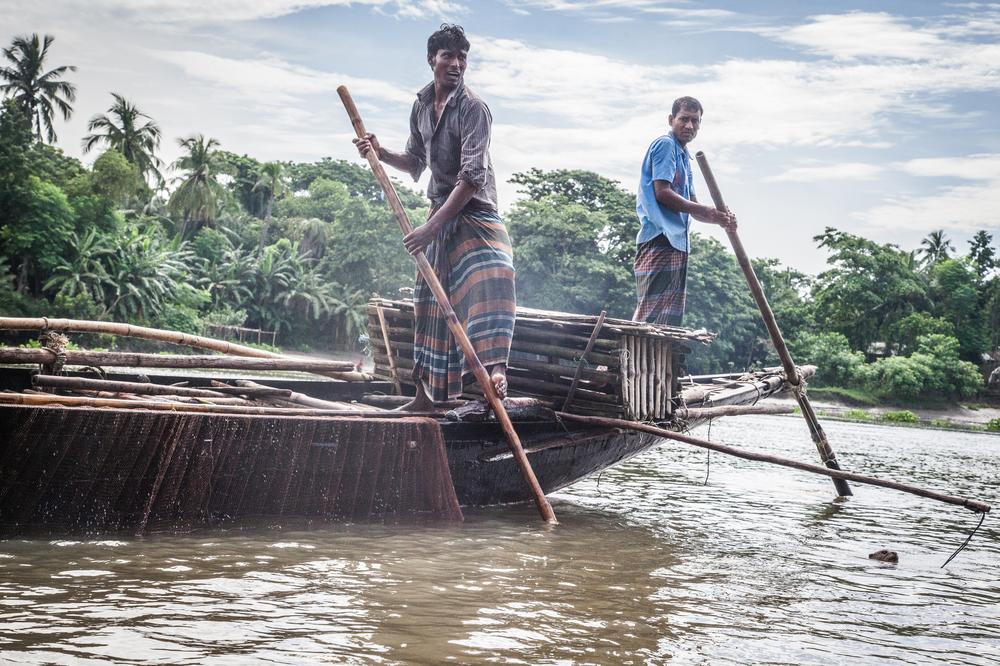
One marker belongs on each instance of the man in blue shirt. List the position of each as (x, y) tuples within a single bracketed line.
[(665, 204)]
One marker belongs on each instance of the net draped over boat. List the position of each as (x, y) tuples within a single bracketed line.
[(100, 469)]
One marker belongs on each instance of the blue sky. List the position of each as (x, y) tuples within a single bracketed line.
[(875, 118)]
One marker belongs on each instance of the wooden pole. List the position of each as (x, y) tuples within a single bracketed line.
[(388, 350), (142, 332), (544, 508), (816, 431), (142, 388), (971, 504), (583, 359), (49, 400), (690, 413), (301, 399), (335, 369)]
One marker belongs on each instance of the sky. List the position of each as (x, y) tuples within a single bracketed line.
[(876, 118)]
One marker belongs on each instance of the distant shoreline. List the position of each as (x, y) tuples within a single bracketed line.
[(956, 417)]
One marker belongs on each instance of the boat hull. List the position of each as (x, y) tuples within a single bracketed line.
[(112, 469)]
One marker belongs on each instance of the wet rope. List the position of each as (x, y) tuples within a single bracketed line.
[(982, 517), (56, 343), (708, 456)]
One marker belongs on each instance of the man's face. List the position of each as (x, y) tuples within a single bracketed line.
[(448, 66), (685, 124)]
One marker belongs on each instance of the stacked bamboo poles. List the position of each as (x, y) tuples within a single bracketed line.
[(627, 366), (247, 396), (234, 352)]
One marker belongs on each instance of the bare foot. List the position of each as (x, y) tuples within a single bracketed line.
[(498, 375)]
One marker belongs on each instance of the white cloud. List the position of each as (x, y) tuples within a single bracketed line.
[(221, 11), (962, 208), (860, 34), (971, 167), (273, 82), (827, 172), (641, 6)]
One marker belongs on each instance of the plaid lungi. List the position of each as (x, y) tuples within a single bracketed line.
[(472, 258), (660, 280)]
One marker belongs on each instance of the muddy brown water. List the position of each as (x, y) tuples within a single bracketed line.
[(649, 565)]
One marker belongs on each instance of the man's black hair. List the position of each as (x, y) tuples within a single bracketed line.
[(689, 103), (448, 36)]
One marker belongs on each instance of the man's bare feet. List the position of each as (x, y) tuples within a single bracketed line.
[(498, 375)]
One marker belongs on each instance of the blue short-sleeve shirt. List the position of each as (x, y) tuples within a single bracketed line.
[(666, 160)]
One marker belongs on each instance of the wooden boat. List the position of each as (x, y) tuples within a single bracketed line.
[(149, 463)]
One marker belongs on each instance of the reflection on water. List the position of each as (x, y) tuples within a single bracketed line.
[(648, 566)]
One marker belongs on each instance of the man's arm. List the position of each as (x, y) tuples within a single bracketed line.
[(666, 196), (411, 160), (422, 236), (403, 161)]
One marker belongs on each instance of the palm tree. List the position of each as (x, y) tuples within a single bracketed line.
[(147, 273), (87, 271), (315, 236), (129, 131), (196, 199), (270, 180), (935, 248), (982, 254), (38, 92)]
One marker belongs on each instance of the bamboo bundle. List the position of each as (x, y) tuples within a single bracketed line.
[(338, 369), (607, 366)]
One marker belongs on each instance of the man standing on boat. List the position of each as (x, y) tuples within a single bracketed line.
[(465, 240), (665, 204)]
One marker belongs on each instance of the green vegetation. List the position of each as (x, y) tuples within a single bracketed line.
[(851, 396), (905, 416), (222, 238)]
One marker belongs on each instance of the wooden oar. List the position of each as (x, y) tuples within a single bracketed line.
[(826, 454), (544, 508), (837, 474)]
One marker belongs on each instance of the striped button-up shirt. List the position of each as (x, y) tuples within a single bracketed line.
[(456, 147)]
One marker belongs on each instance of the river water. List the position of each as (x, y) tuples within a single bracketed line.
[(649, 565)]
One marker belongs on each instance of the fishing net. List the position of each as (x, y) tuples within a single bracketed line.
[(105, 470)]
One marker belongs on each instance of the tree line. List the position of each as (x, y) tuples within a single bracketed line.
[(217, 237)]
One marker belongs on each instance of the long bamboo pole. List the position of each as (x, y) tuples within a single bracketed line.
[(147, 333), (86, 384), (816, 431), (50, 400), (384, 327), (337, 369), (544, 508), (971, 504)]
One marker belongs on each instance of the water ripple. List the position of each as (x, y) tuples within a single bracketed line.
[(652, 563)]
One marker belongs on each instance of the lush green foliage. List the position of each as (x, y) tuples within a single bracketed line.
[(837, 364), (934, 369), (904, 416)]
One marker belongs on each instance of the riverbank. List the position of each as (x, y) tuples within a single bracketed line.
[(971, 416)]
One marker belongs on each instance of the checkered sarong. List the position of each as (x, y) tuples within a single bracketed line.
[(660, 280), (472, 258)]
